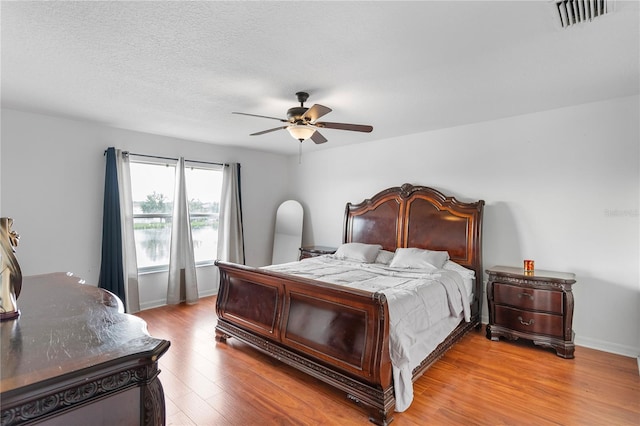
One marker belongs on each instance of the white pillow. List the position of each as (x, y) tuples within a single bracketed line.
[(385, 257), (450, 265), (360, 252), (416, 258)]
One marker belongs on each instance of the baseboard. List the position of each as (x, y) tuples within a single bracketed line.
[(610, 347), (163, 302), (602, 345), (208, 293), (153, 304)]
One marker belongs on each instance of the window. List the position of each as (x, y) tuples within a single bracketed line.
[(204, 187), (152, 187)]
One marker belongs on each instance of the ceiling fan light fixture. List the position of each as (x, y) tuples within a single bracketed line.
[(303, 124), (301, 132)]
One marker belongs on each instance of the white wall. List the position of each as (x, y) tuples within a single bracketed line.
[(52, 175), (561, 187)]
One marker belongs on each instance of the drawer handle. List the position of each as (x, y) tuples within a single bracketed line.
[(521, 295), (525, 323)]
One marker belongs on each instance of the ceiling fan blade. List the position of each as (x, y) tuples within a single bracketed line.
[(345, 126), (261, 116), (318, 138), (268, 131), (315, 112)]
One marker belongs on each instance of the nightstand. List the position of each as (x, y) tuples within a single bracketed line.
[(537, 306), (313, 251)]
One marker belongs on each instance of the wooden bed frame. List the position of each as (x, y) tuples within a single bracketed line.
[(341, 335)]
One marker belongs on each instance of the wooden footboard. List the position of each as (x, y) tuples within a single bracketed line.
[(336, 334)]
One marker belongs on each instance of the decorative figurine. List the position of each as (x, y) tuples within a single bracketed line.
[(11, 273)]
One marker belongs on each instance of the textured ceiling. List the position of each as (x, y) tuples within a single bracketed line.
[(181, 68)]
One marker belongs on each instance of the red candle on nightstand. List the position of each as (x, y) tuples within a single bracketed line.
[(528, 265)]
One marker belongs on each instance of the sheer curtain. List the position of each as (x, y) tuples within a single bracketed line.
[(118, 266), (182, 265), (230, 233), (129, 259)]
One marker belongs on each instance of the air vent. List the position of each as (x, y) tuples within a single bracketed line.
[(573, 12)]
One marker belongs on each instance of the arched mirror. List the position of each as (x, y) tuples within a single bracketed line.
[(288, 232)]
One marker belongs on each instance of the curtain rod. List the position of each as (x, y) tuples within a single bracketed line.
[(171, 158), (174, 159)]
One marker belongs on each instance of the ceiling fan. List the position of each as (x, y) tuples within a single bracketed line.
[(302, 122)]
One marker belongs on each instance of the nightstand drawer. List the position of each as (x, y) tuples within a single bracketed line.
[(528, 298), (529, 322)]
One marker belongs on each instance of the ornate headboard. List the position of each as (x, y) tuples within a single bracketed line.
[(422, 217)]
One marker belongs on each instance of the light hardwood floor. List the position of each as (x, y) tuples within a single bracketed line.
[(478, 382)]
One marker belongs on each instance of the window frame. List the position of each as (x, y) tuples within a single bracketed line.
[(173, 163)]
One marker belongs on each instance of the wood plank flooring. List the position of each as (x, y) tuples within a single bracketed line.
[(478, 382)]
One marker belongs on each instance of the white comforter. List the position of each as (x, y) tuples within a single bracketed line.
[(420, 303)]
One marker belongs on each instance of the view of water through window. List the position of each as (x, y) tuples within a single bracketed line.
[(152, 190)]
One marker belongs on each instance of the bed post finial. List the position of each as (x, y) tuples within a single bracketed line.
[(406, 189)]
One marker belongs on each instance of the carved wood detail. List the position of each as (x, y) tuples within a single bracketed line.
[(96, 388)]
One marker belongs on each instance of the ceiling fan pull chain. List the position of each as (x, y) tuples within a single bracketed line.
[(300, 153)]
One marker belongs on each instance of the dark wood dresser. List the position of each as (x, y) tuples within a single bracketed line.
[(313, 251), (532, 305), (73, 357)]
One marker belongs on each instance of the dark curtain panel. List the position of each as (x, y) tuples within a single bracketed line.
[(111, 268), (240, 205)]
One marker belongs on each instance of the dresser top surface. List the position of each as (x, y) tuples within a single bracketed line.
[(65, 327)]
